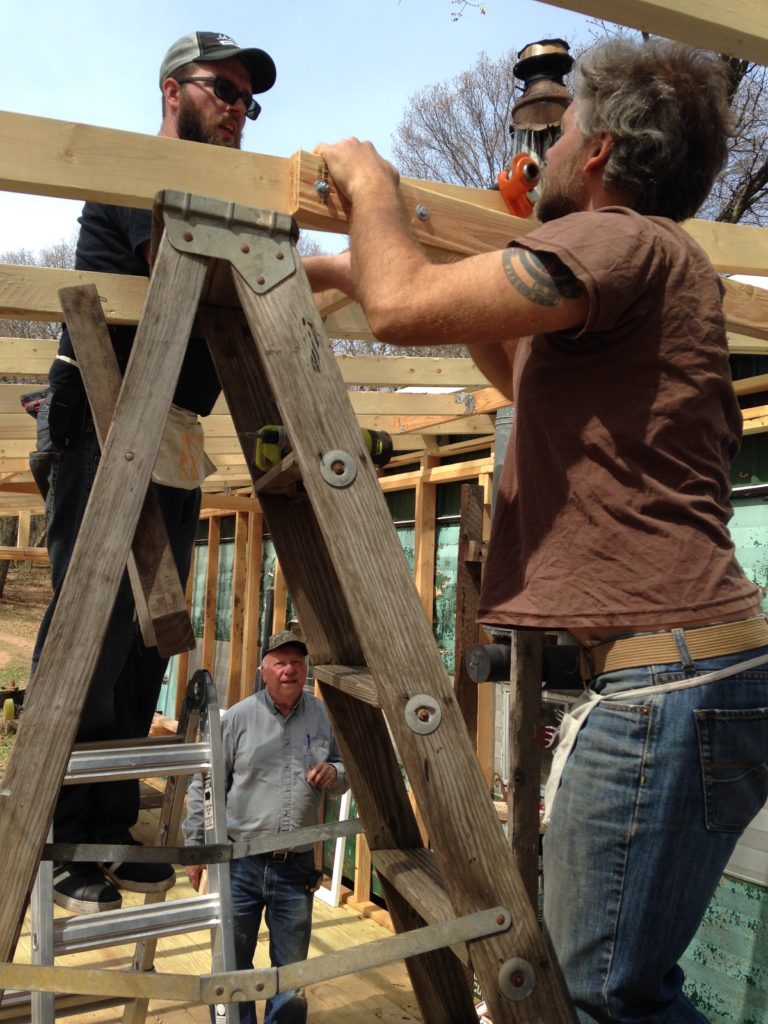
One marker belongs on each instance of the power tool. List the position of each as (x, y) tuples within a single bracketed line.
[(272, 444)]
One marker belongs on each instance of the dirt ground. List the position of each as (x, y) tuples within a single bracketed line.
[(25, 598), (26, 595)]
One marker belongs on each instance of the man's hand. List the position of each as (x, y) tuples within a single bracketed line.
[(322, 775), (330, 271), (356, 165), (194, 874)]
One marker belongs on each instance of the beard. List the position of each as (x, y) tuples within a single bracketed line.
[(562, 192), (191, 127)]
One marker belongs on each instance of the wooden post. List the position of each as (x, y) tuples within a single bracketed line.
[(281, 598), (182, 662), (211, 594), (486, 692), (467, 598), (251, 648), (239, 569), (525, 755), (424, 540)]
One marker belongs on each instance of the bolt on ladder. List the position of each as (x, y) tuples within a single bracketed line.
[(376, 661)]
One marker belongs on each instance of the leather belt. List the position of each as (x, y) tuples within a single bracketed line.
[(660, 648), (282, 855)]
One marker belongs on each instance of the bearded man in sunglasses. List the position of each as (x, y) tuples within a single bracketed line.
[(208, 84)]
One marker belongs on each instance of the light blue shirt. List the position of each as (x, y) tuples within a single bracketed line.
[(267, 756)]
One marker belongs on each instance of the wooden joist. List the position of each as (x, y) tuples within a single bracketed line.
[(725, 26)]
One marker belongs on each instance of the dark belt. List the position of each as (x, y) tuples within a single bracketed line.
[(282, 855), (661, 649)]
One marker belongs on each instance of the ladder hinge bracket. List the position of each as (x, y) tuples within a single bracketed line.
[(257, 243)]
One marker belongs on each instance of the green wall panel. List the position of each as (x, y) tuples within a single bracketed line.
[(726, 965)]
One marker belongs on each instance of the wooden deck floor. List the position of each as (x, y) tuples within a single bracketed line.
[(382, 995)]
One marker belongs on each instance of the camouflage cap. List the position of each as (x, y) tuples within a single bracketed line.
[(212, 46), (282, 640)]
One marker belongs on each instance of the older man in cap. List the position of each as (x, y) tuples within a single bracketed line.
[(280, 754), (208, 84)]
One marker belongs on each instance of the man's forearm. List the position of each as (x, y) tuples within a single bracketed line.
[(496, 362)]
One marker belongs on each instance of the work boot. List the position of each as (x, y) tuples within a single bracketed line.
[(137, 877), (83, 889)]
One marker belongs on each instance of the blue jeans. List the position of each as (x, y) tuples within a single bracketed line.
[(126, 682), (279, 890), (652, 802)]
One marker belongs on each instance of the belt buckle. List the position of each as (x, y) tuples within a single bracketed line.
[(281, 855)]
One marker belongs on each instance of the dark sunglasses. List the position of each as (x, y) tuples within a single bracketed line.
[(227, 92)]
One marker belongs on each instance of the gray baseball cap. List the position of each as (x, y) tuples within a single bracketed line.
[(212, 46), (282, 640)]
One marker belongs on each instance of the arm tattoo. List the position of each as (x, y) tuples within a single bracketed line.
[(540, 277)]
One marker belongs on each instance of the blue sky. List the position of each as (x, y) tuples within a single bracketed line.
[(344, 67)]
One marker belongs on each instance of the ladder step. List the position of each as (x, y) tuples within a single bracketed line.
[(414, 874), (102, 763), (281, 479), (148, 921), (356, 681)]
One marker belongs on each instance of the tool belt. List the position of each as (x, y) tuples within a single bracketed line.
[(661, 648)]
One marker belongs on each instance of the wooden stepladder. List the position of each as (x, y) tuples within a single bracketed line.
[(457, 905)]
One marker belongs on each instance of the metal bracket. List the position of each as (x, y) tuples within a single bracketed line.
[(256, 242), (467, 399), (257, 984), (423, 714)]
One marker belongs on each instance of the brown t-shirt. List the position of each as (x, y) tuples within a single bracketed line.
[(614, 498)]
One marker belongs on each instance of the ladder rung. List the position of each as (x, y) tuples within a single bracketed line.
[(415, 875), (281, 479), (148, 921), (135, 762), (356, 681)]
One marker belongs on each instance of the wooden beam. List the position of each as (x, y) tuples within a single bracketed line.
[(31, 293), (47, 157), (33, 356), (42, 156), (725, 26), (746, 308), (437, 475), (208, 655), (751, 385), (425, 534), (743, 344), (251, 638), (26, 356), (235, 688), (13, 553)]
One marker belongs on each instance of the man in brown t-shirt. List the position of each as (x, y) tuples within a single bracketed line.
[(605, 327)]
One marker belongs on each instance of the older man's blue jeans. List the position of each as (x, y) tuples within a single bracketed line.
[(652, 802), (277, 889)]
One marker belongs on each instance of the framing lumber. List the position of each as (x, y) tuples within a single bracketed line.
[(43, 156), (33, 357), (735, 27), (31, 293)]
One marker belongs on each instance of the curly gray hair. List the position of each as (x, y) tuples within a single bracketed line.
[(666, 107)]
